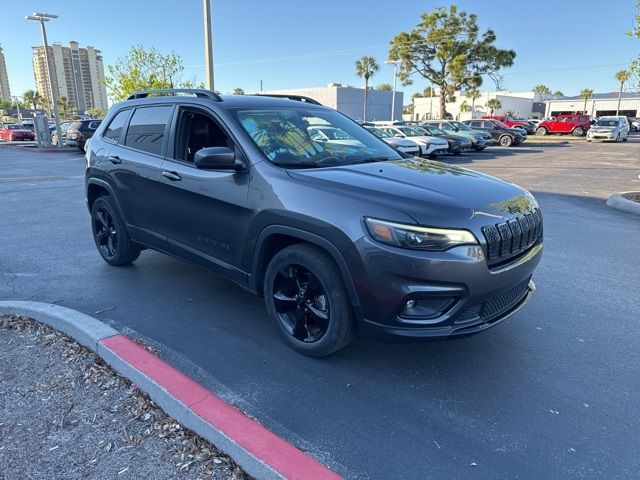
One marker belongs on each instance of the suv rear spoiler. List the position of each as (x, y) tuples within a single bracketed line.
[(198, 92), (297, 98)]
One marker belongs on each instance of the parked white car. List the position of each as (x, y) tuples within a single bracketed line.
[(429, 145), (401, 144), (609, 129), (321, 133)]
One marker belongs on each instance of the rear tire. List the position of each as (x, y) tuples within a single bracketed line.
[(541, 131), (305, 296), (110, 234), (578, 132)]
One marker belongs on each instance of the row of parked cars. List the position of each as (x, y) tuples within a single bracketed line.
[(75, 133), (436, 137)]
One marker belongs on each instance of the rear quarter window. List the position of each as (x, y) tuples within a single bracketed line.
[(116, 125)]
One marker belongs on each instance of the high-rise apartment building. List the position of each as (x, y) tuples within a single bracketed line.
[(5, 92), (77, 73)]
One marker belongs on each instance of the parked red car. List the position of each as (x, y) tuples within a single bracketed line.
[(16, 132), (512, 122), (574, 124)]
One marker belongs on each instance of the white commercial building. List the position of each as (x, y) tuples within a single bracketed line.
[(77, 73), (350, 100), (599, 105), (515, 104)]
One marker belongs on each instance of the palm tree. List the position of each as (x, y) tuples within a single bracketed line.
[(385, 86), (623, 77), (365, 68), (474, 95), (238, 91), (586, 93), (542, 90), (32, 99), (558, 93), (464, 106), (493, 104)]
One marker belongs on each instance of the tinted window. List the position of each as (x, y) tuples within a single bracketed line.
[(94, 125), (114, 130), (146, 128)]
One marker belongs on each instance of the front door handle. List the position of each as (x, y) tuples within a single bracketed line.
[(114, 159), (173, 176)]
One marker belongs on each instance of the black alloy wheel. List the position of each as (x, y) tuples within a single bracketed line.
[(305, 296), (106, 234), (301, 303)]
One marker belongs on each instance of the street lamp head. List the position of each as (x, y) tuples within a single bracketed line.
[(45, 15), (37, 19)]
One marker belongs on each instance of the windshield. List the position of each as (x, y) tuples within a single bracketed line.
[(379, 133), (432, 130), (301, 137), (410, 132), (462, 126), (15, 127), (607, 123)]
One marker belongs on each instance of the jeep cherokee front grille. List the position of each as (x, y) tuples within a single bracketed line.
[(509, 239)]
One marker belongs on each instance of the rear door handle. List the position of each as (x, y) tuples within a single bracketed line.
[(114, 159), (173, 176)]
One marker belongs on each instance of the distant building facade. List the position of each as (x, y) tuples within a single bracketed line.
[(350, 100), (599, 105), (5, 91), (77, 74), (517, 104)]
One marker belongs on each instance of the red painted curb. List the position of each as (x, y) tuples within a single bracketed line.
[(263, 444)]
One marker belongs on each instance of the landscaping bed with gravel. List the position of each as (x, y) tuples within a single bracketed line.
[(64, 414)]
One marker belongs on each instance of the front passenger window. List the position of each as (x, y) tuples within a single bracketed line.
[(198, 131)]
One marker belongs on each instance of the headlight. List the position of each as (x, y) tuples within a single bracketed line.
[(418, 238)]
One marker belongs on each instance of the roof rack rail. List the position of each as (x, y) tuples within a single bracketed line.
[(297, 98), (198, 92)]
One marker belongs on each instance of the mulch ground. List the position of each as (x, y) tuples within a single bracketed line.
[(633, 196), (64, 414)]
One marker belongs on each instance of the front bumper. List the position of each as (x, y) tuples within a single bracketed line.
[(602, 136), (434, 149), (472, 296)]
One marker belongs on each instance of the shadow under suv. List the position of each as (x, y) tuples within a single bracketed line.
[(339, 237)]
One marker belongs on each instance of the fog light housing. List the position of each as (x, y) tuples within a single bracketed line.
[(426, 308)]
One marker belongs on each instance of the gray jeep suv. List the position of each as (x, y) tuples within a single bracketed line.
[(338, 236)]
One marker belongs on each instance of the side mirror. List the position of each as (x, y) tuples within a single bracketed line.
[(216, 158), (399, 135)]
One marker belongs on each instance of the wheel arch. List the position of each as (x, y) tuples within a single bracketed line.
[(276, 237), (97, 188)]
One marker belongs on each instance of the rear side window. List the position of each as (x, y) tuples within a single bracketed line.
[(114, 130), (146, 128)]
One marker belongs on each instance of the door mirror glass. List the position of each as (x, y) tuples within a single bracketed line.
[(216, 158)]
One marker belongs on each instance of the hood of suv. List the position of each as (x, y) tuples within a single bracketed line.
[(433, 193), (400, 142), (423, 139)]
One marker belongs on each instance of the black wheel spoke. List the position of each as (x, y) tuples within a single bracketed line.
[(102, 218), (101, 235), (320, 316), (283, 302), (299, 327), (111, 246)]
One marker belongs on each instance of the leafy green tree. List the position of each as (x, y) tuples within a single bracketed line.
[(365, 68), (559, 93), (96, 112), (493, 104), (623, 76), (387, 87), (447, 49), (586, 93), (542, 90), (143, 69), (238, 91), (5, 104), (429, 91), (191, 83)]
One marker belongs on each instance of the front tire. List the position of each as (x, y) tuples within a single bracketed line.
[(305, 296), (506, 141), (110, 234)]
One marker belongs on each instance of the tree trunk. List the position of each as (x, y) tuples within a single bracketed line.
[(619, 98), (366, 93), (443, 103)]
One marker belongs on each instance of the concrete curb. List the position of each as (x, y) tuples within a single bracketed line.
[(261, 453), (618, 202)]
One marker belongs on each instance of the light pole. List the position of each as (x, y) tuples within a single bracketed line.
[(45, 17), (208, 45), (17, 99), (393, 94)]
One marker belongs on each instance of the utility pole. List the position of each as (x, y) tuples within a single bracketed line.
[(208, 46), (18, 108), (393, 94), (45, 17)]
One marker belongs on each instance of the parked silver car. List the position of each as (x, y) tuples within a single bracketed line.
[(609, 129), (403, 145)]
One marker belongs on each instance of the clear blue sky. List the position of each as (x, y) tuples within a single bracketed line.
[(565, 44)]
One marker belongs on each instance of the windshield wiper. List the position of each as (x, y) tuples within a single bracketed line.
[(371, 160)]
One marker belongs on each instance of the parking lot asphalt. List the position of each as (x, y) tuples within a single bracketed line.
[(550, 393)]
